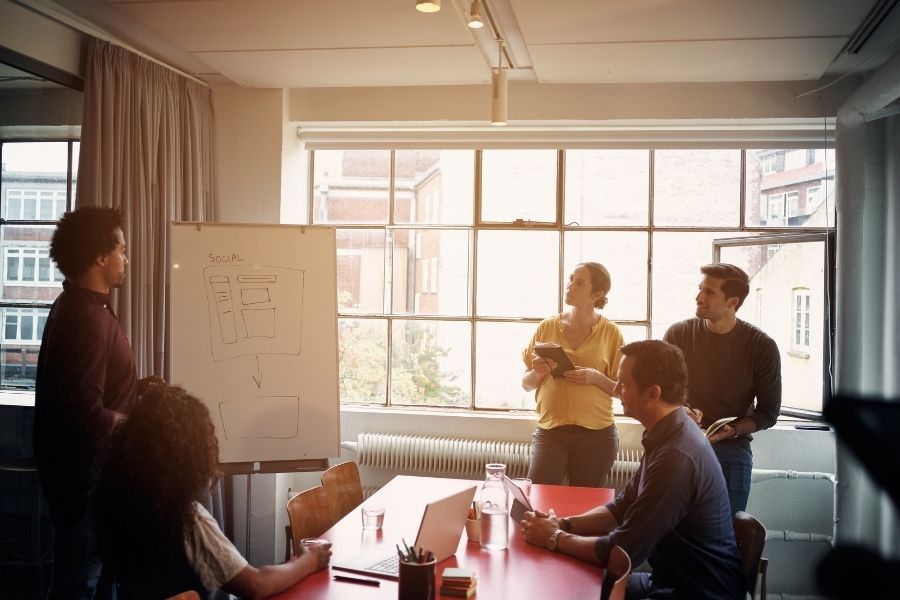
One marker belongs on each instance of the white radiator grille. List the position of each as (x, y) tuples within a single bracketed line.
[(463, 457)]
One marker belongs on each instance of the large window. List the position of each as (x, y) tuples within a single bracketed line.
[(37, 186), (448, 259)]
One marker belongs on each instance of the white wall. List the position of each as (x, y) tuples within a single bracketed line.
[(248, 144)]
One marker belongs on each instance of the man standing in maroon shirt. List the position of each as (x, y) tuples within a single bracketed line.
[(85, 384)]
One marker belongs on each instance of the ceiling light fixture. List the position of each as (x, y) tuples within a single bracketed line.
[(428, 6), (498, 89), (475, 21)]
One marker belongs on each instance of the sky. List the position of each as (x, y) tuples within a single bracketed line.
[(37, 156)]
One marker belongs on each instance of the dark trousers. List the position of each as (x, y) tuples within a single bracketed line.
[(737, 467), (76, 564), (571, 453), (641, 587)]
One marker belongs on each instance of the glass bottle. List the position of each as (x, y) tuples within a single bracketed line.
[(494, 508)]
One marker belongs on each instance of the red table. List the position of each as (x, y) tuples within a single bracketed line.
[(520, 571)]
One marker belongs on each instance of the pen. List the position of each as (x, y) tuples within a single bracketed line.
[(359, 580)]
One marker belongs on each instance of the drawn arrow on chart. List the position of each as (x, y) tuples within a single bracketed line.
[(258, 379)]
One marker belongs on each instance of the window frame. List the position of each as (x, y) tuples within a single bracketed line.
[(800, 321), (828, 237), (761, 231), (39, 251)]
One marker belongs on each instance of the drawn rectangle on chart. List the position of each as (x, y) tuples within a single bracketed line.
[(277, 292), (255, 296), (257, 278), (259, 322), (276, 417), (222, 294)]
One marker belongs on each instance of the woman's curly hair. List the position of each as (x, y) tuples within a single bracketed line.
[(158, 463)]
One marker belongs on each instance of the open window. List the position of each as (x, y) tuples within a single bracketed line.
[(791, 299)]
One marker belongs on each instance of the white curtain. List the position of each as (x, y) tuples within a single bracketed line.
[(867, 348), (146, 148)]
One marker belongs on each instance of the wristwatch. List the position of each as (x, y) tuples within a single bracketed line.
[(553, 540)]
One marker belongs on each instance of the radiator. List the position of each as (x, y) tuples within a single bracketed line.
[(463, 457)]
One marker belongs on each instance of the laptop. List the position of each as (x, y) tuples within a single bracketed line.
[(439, 531)]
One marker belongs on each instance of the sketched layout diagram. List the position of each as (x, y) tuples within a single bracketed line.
[(272, 417), (253, 310)]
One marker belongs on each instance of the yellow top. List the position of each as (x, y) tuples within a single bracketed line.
[(562, 402)]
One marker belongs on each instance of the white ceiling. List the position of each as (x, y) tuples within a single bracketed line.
[(339, 43)]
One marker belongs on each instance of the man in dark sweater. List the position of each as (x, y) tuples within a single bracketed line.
[(674, 511), (730, 363), (86, 382)]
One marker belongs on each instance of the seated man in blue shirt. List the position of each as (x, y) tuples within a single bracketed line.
[(674, 511)]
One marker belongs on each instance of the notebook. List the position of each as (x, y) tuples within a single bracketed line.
[(439, 531)]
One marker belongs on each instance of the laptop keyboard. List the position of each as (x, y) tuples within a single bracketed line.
[(389, 565)]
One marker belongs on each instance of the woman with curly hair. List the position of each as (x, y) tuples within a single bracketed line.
[(154, 535)]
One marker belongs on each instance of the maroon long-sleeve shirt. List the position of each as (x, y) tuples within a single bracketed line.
[(85, 372)]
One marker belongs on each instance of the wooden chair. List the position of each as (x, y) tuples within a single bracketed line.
[(189, 595), (615, 579), (344, 489), (750, 536), (309, 514)]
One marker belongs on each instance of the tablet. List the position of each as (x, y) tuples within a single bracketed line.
[(554, 352), (520, 504)]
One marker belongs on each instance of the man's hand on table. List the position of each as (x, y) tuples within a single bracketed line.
[(537, 527)]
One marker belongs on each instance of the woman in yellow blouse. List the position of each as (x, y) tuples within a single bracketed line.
[(576, 438)]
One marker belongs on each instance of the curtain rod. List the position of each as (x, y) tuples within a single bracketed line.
[(67, 19)]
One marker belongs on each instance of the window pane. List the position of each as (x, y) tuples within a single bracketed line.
[(677, 258), (624, 254), (44, 268), (434, 186), (12, 268), (518, 184), (777, 273), (431, 272), (11, 326), (607, 187), (518, 273), (353, 186), (46, 206), (29, 208), (360, 270), (790, 188), (14, 205), (76, 153), (363, 360), (26, 331), (499, 366), (431, 363), (28, 268), (697, 187)]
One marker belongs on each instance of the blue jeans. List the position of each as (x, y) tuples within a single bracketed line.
[(76, 564), (572, 453), (737, 467)]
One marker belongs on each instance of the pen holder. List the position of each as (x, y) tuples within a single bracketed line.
[(416, 581), (473, 530)]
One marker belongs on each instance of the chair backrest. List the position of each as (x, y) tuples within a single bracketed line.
[(615, 579), (750, 536), (344, 489), (189, 595), (309, 514)]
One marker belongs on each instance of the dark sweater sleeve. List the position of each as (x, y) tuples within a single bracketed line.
[(663, 503), (767, 384)]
